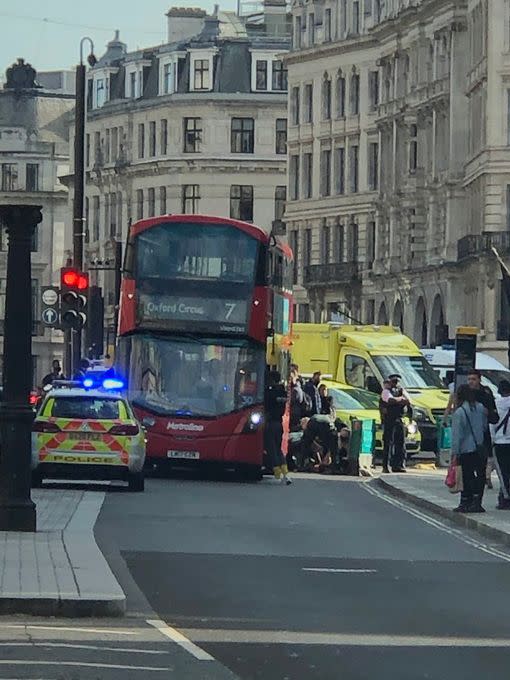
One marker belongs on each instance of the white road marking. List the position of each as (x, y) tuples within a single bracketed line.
[(117, 667), (180, 639), (339, 639), (483, 547), (340, 571), (111, 631), (66, 645)]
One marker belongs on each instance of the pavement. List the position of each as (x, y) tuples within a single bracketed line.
[(59, 570), (427, 490)]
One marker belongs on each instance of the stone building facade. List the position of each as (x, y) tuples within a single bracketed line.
[(198, 125), (34, 153), (399, 163)]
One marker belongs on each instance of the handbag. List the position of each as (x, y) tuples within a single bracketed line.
[(454, 480), (480, 448)]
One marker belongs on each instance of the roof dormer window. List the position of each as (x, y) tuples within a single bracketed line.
[(168, 70), (201, 70), (99, 86), (134, 84)]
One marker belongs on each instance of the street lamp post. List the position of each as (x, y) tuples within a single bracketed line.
[(79, 177), (17, 511)]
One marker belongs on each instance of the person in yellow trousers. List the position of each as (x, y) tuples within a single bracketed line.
[(275, 400)]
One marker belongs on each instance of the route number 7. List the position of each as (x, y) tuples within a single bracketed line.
[(230, 309)]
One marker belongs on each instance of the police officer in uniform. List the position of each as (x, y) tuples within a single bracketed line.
[(395, 401)]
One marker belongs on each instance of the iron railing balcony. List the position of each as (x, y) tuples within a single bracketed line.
[(331, 274), (478, 244)]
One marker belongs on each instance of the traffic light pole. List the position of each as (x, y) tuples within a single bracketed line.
[(79, 187)]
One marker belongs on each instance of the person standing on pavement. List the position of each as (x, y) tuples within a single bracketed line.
[(55, 374), (395, 402), (484, 396), (312, 390), (501, 439), (275, 400), (299, 401), (469, 425)]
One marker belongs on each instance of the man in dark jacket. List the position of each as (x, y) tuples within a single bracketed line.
[(312, 390), (56, 374), (275, 400)]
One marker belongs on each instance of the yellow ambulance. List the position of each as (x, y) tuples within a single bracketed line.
[(364, 356)]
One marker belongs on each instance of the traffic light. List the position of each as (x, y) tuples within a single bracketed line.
[(74, 287)]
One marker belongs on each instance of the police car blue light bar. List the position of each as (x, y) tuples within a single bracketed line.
[(113, 384), (88, 382)]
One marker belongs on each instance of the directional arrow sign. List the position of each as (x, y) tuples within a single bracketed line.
[(49, 316)]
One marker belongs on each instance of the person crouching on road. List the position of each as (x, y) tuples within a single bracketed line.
[(275, 400), (469, 424), (501, 440), (322, 430)]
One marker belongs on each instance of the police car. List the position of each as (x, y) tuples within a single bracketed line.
[(87, 433)]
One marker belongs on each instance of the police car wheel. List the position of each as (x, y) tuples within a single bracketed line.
[(136, 481), (37, 480)]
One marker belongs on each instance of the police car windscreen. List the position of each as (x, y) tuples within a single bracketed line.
[(86, 408)]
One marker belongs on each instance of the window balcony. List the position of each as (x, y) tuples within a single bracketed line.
[(338, 273), (473, 245)]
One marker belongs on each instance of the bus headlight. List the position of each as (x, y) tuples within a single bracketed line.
[(254, 422)]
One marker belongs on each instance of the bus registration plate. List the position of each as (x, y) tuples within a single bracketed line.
[(188, 455)]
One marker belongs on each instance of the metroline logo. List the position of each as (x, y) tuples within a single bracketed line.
[(187, 427)]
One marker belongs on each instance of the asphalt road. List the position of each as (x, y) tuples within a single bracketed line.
[(317, 581)]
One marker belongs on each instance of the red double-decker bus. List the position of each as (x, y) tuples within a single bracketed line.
[(202, 298)]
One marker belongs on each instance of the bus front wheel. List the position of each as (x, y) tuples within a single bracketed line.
[(251, 473)]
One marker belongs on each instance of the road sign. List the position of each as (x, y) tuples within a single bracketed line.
[(49, 316), (50, 297), (50, 311)]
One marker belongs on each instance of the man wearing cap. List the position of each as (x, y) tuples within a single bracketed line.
[(397, 401)]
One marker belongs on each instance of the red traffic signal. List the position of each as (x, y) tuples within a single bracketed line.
[(72, 278), (74, 288)]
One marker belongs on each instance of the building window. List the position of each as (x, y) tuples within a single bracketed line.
[(115, 144), (294, 244), (100, 92), (113, 214), (325, 172), (355, 18), (340, 243), (95, 218), (326, 98), (325, 243), (340, 97), (151, 202), (97, 148), (162, 200), (307, 175), (241, 202), (327, 25), (32, 177), (190, 198), (297, 32), (413, 149), (87, 150), (164, 137), (343, 18), (87, 224), (370, 244), (373, 90), (370, 318), (311, 29), (106, 215), (308, 103), (354, 168), (9, 176), (34, 244), (152, 138), (141, 140), (353, 242), (242, 135), (339, 170), (280, 79), (280, 197), (192, 135), (294, 177), (107, 146), (132, 84), (307, 248), (294, 106), (168, 78), (355, 94), (201, 79), (373, 166), (281, 135), (261, 75), (139, 204)]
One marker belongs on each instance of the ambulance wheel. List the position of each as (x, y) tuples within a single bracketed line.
[(37, 480), (136, 481)]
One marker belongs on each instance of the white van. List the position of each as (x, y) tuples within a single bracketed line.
[(443, 361)]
